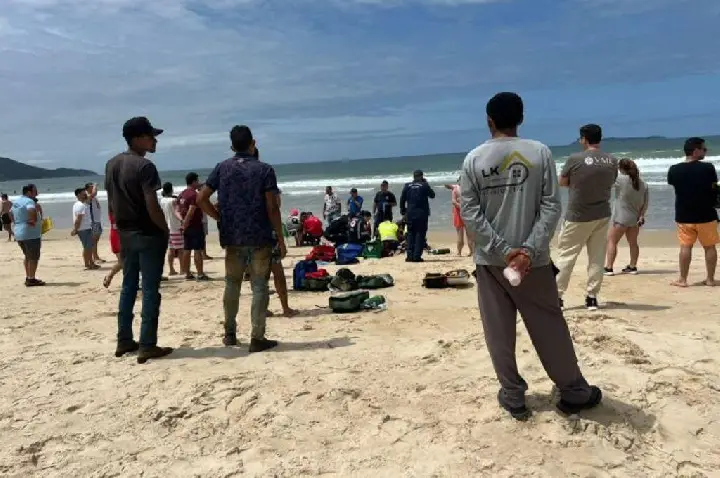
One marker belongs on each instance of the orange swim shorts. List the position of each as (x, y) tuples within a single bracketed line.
[(457, 219), (706, 233)]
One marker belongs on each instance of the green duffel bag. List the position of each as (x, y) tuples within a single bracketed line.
[(343, 284), (316, 285), (380, 281), (344, 302)]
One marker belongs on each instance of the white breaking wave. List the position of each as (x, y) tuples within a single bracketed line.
[(654, 167)]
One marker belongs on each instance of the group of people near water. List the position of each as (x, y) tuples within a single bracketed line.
[(507, 204)]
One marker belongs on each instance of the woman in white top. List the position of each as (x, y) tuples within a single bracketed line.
[(168, 203), (631, 202)]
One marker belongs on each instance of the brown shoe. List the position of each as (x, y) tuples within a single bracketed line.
[(126, 347), (261, 345), (148, 353), (230, 340)]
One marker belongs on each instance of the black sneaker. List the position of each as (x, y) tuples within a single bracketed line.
[(148, 353), (520, 414), (575, 408), (630, 270), (126, 347), (261, 345), (609, 271), (591, 303), (230, 340)]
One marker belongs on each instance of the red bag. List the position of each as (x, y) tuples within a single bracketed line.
[(320, 274), (321, 253)]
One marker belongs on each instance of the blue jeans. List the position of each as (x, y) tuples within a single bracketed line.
[(416, 237), (141, 254), (238, 259)]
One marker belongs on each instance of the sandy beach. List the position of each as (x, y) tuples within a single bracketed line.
[(407, 392)]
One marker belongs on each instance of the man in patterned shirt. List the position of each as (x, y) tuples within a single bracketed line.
[(249, 212)]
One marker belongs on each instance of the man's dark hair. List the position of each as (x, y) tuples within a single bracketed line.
[(167, 190), (241, 138), (78, 191), (691, 144), (384, 183), (26, 189), (88, 185), (191, 178), (366, 214), (4, 196), (592, 133), (505, 110), (353, 190)]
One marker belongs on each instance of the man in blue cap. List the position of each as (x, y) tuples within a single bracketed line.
[(415, 207)]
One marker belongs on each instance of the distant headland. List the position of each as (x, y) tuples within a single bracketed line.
[(11, 170)]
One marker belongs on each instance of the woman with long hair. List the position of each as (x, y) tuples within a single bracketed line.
[(631, 202)]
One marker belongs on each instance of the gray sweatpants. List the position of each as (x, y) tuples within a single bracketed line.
[(536, 298)]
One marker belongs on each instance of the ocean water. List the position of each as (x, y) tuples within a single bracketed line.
[(303, 184)]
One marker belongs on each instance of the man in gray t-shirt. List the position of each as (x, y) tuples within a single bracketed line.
[(589, 177), (510, 203)]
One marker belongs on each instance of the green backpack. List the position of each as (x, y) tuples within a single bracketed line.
[(344, 302), (380, 281), (372, 250), (316, 285)]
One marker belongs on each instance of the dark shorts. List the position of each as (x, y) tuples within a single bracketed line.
[(6, 221), (31, 249), (194, 240), (86, 239)]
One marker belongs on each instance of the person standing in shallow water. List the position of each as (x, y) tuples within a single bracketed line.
[(132, 182), (247, 215), (511, 204)]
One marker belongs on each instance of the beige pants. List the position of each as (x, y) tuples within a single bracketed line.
[(573, 236)]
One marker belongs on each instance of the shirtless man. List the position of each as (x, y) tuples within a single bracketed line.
[(5, 216)]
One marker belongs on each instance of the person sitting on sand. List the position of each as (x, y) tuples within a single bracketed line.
[(293, 225), (82, 228), (695, 184), (631, 202), (514, 230), (312, 229), (249, 214), (388, 232)]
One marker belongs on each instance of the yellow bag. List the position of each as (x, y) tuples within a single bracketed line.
[(47, 225)]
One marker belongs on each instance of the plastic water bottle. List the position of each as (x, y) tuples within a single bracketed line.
[(512, 276)]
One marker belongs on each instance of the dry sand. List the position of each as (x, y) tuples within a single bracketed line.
[(408, 392)]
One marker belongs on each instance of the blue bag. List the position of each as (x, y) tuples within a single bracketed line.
[(301, 269), (348, 254)]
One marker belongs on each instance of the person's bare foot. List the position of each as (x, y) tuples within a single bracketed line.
[(679, 283), (289, 312), (107, 281), (708, 282)]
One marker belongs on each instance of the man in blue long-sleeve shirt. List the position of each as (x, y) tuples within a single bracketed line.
[(415, 207)]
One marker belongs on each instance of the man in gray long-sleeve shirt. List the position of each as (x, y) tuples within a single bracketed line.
[(511, 205)]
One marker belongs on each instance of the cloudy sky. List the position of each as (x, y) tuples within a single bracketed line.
[(330, 79)]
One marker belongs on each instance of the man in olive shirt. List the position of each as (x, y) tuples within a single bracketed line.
[(589, 176), (132, 182)]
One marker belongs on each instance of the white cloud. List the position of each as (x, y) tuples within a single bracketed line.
[(73, 70)]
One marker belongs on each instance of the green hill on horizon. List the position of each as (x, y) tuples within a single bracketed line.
[(11, 170)]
